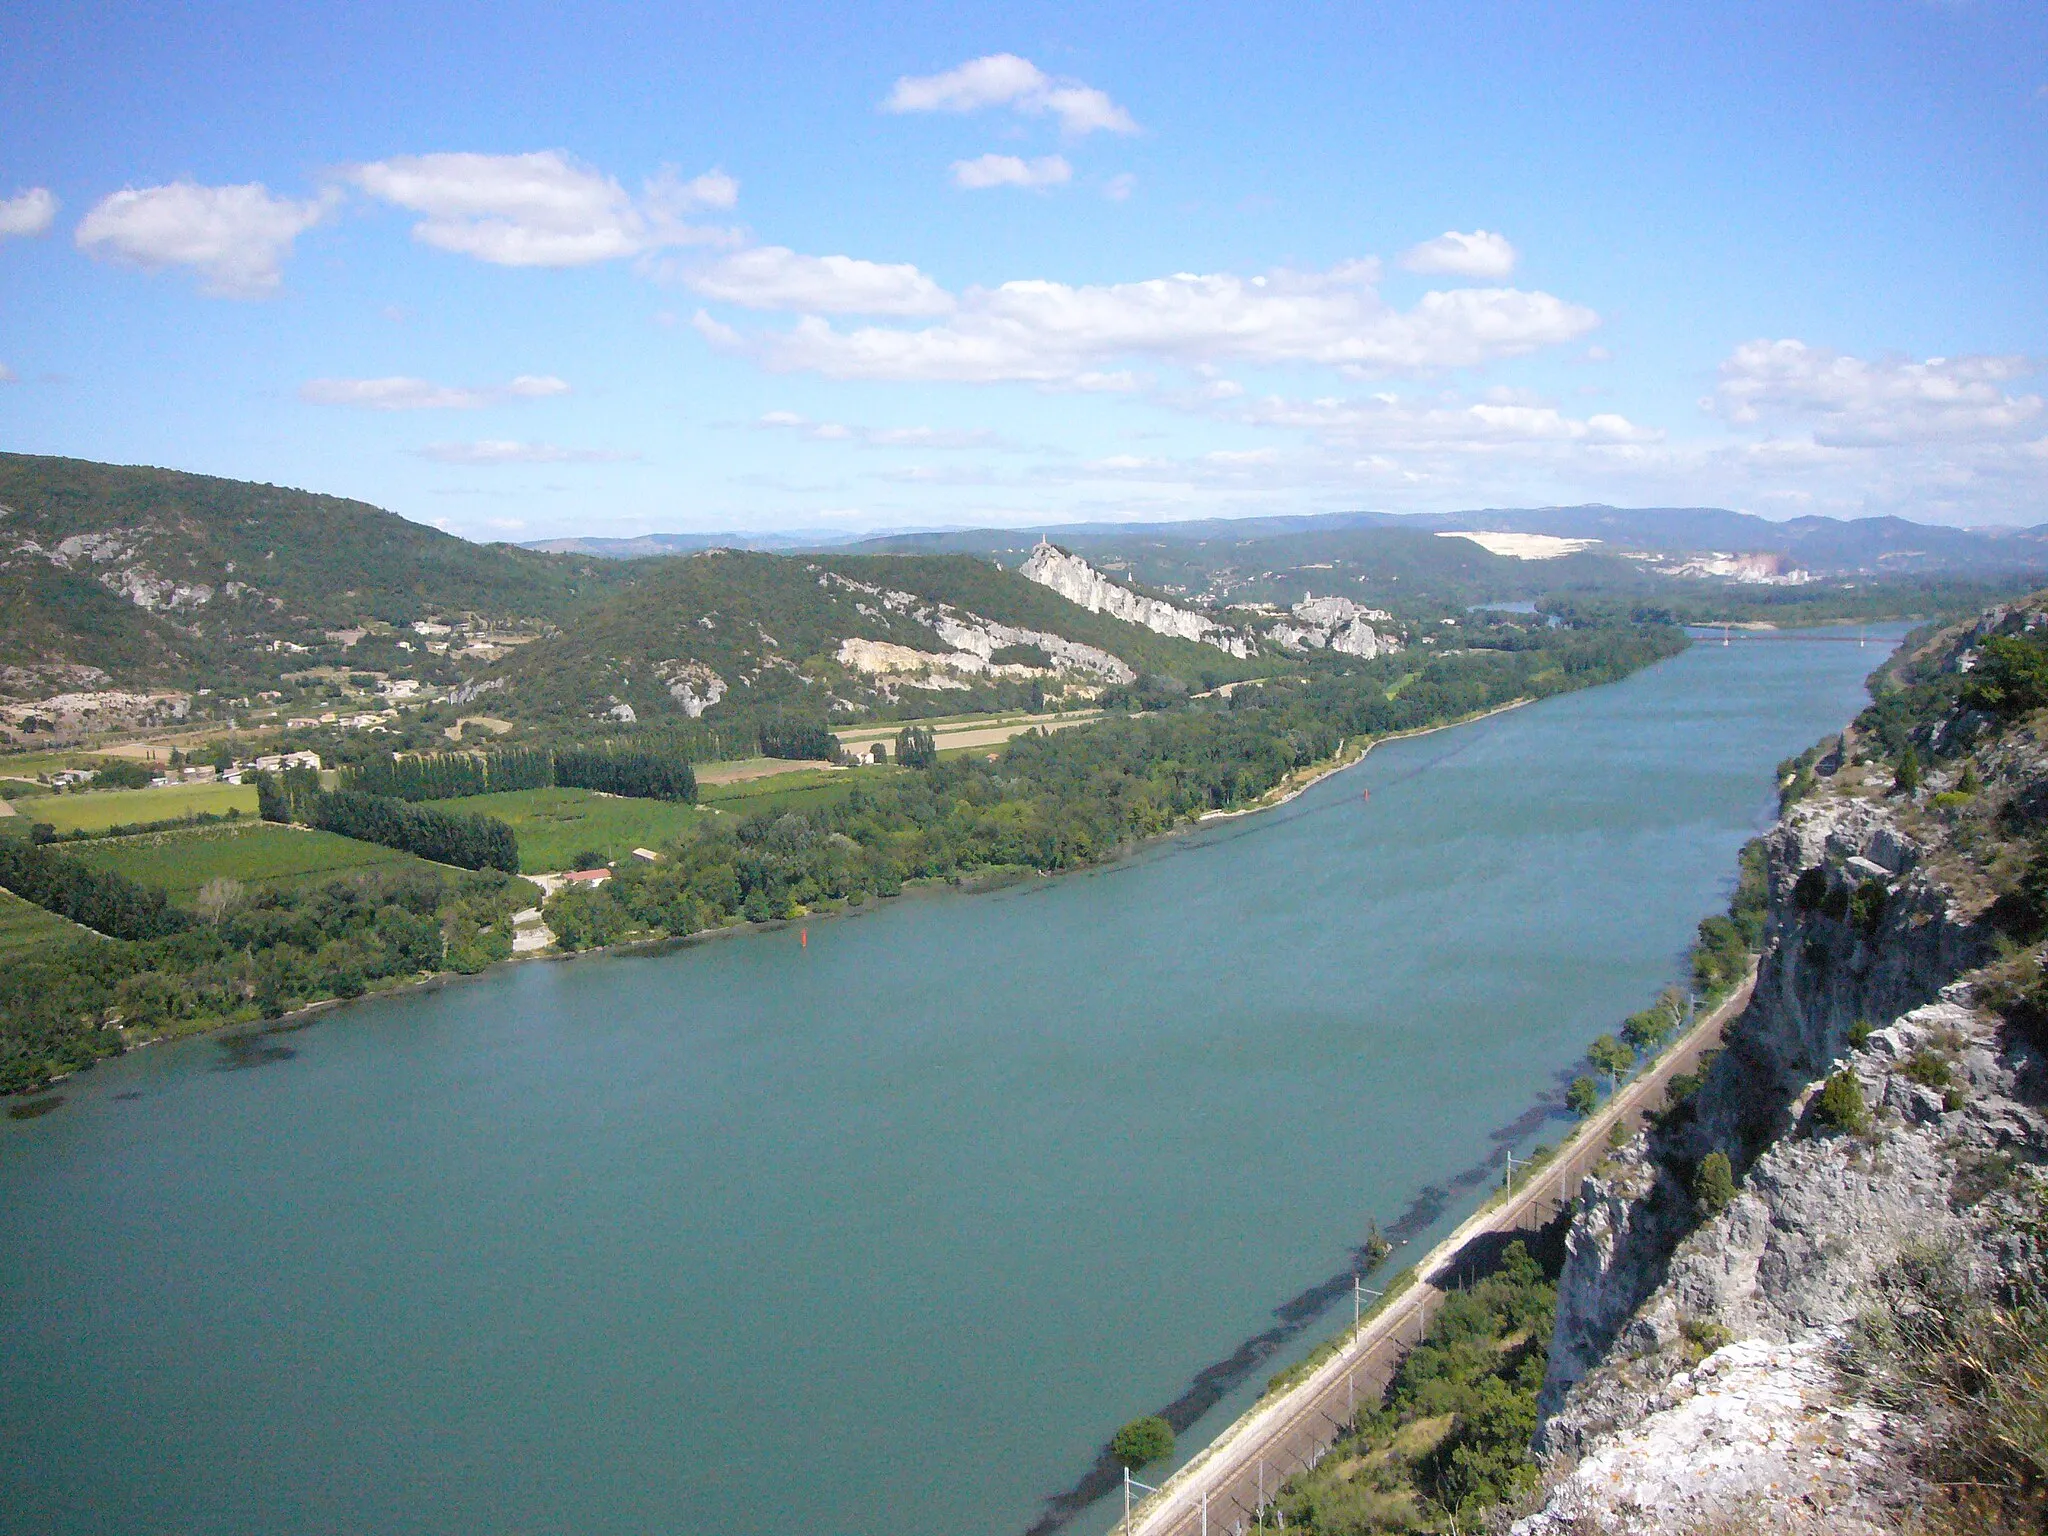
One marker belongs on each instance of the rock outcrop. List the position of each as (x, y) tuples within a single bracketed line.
[(1692, 1368), (1080, 583)]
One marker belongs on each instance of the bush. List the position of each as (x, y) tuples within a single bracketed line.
[(1840, 1106), (1582, 1097), (1141, 1441), (1714, 1185)]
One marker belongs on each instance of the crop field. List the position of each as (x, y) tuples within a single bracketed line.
[(256, 853), (554, 825), (25, 926), (96, 810), (804, 790)]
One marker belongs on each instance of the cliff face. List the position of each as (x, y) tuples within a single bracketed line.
[(1692, 1369), (1079, 582)]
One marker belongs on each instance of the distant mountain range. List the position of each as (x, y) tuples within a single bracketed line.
[(1824, 546)]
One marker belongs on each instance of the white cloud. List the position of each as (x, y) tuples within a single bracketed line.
[(1068, 336), (543, 209), (1479, 254), (237, 236), (1119, 187), (876, 437), (1389, 422), (1852, 402), (495, 451), (27, 213), (1011, 171), (1005, 80), (8, 375), (407, 394), (774, 277)]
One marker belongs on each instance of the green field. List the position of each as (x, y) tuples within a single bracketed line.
[(554, 825), (96, 810), (24, 926), (804, 790), (255, 853)]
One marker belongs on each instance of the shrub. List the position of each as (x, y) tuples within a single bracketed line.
[(1582, 1097), (1713, 1186), (1141, 1441), (1840, 1106)]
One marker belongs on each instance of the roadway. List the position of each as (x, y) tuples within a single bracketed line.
[(1224, 1486)]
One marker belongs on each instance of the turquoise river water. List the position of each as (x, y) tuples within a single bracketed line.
[(881, 1235)]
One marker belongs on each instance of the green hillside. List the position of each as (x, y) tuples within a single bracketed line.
[(771, 626), (157, 575)]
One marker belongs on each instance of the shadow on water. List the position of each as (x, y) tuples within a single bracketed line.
[(28, 1109), (257, 1048), (1215, 1382)]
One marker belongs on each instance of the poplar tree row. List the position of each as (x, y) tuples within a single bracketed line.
[(637, 772)]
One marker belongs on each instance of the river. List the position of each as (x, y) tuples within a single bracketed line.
[(885, 1233)]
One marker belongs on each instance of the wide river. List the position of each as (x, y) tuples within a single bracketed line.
[(885, 1234)]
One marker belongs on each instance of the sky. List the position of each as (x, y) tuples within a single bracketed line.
[(527, 271)]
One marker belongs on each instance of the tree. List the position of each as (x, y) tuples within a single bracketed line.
[(1714, 1185), (1582, 1097), (218, 897), (916, 747), (1969, 783), (2011, 677), (1907, 777), (1610, 1055), (1142, 1440), (1840, 1106)]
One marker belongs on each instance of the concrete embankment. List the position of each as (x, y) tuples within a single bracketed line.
[(1225, 1485)]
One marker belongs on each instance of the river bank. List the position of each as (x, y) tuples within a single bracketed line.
[(960, 1188), (988, 879)]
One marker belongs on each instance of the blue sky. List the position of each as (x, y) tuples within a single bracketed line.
[(521, 273)]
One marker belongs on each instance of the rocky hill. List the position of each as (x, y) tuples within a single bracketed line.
[(833, 636), (1849, 1334), (139, 575)]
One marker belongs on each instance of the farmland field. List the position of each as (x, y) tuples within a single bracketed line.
[(804, 790), (23, 926), (96, 810), (256, 853), (554, 825)]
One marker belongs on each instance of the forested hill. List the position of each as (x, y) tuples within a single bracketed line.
[(772, 631), (155, 575)]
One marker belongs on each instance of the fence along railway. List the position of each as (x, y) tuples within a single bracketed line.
[(1228, 1485)]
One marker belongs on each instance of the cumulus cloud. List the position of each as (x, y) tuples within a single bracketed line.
[(774, 277), (496, 451), (1005, 80), (1074, 337), (1479, 254), (27, 213), (237, 237), (8, 375), (1011, 171), (1853, 402), (1118, 188), (544, 209), (408, 394)]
